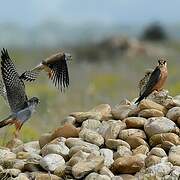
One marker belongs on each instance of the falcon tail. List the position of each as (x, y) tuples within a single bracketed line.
[(139, 99), (6, 121)]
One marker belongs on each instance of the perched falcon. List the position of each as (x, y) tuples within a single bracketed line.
[(156, 80), (55, 66), (144, 80), (14, 92)]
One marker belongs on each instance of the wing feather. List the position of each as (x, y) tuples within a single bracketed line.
[(58, 68), (154, 78), (14, 86)]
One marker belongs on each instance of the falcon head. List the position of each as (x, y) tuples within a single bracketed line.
[(68, 57), (162, 62)]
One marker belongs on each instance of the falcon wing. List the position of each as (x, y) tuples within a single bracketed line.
[(154, 78), (30, 75), (15, 88), (3, 91), (60, 74), (57, 69)]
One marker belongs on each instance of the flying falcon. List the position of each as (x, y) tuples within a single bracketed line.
[(55, 66), (14, 91), (144, 80), (156, 80)]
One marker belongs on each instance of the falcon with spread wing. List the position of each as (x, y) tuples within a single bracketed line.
[(55, 66), (14, 91), (156, 80)]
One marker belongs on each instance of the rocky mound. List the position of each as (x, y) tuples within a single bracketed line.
[(121, 143)]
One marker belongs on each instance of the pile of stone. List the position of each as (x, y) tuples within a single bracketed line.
[(127, 142)]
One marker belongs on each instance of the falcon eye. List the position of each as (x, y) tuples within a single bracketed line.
[(160, 62), (164, 62)]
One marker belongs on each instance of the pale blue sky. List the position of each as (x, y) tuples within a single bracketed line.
[(33, 12)]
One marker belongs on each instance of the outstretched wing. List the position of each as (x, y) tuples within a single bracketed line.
[(57, 69), (154, 78), (3, 91), (15, 88)]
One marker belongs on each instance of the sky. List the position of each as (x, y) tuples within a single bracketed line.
[(34, 12)]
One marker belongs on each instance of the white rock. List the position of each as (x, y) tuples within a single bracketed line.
[(51, 161), (70, 142), (91, 136), (94, 176), (173, 113), (108, 156), (157, 125), (91, 124), (59, 148), (160, 169)]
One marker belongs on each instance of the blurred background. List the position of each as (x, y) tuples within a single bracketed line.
[(112, 44)]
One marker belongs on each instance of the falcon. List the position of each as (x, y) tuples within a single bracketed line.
[(13, 90), (56, 68), (156, 80)]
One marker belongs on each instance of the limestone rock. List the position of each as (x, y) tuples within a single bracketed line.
[(91, 136), (77, 157), (173, 113), (44, 139), (175, 173), (157, 152), (114, 129), (142, 149), (104, 109), (75, 149), (82, 168), (107, 155), (31, 147), (82, 116), (51, 161), (58, 148), (135, 122), (114, 143), (105, 171), (70, 142), (60, 171), (124, 134), (160, 169), (160, 138), (91, 124), (157, 125), (7, 157), (127, 177), (21, 176), (152, 160), (174, 155), (135, 141), (148, 104), (69, 120), (43, 176), (147, 113), (121, 111), (94, 176), (68, 130), (122, 151), (128, 164)]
